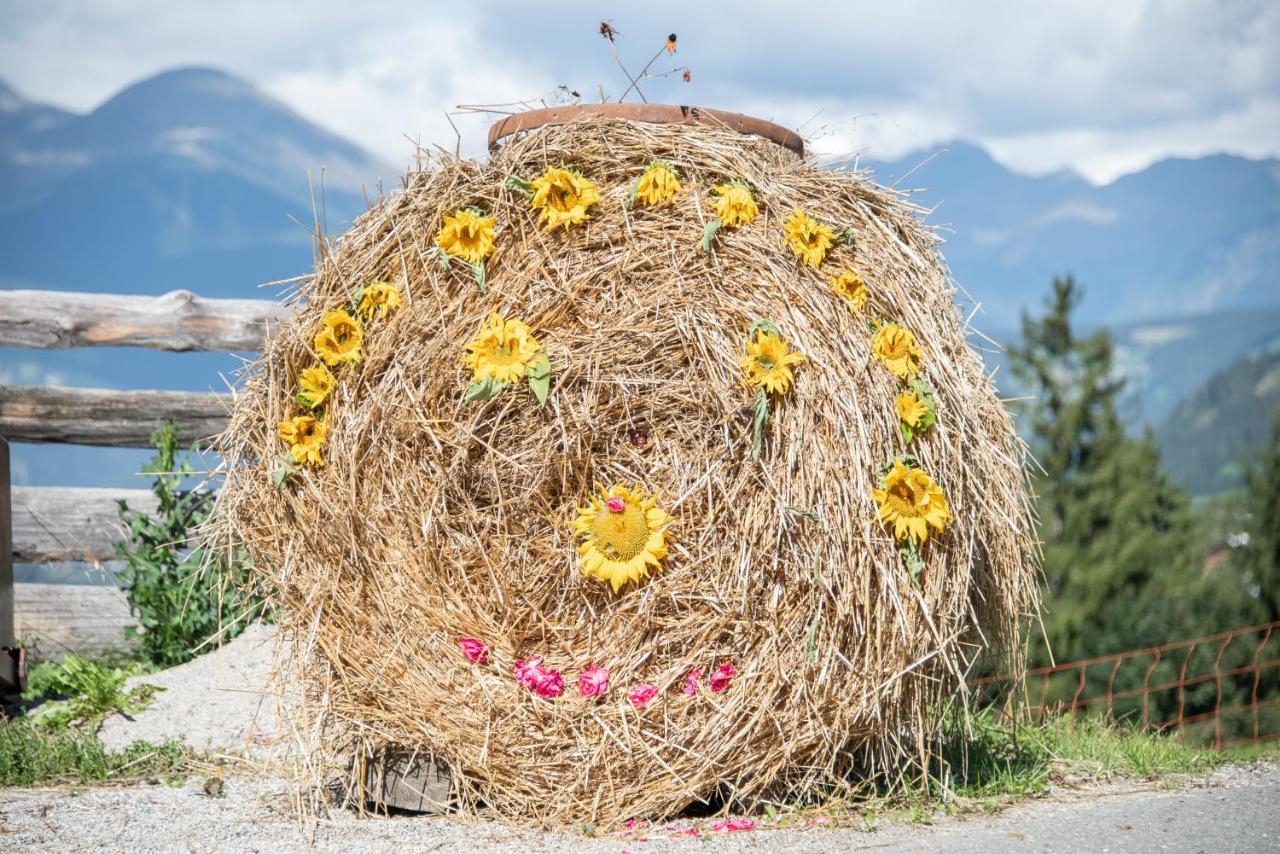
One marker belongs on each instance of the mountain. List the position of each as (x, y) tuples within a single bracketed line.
[(191, 172), (190, 179), (1181, 236), (1209, 439)]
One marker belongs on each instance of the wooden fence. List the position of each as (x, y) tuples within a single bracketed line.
[(71, 523)]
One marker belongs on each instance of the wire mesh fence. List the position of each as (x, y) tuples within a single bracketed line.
[(1220, 690)]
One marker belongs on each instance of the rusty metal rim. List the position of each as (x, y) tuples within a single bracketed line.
[(653, 113)]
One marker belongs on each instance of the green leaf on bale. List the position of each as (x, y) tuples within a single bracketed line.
[(520, 185), (709, 233), (760, 417), (907, 434), (763, 325), (286, 467), (486, 390), (477, 270), (911, 557), (539, 377), (303, 400), (444, 261)]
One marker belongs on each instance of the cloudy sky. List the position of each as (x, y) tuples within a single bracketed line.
[(1102, 86)]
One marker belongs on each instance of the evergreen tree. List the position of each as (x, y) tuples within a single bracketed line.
[(1120, 563), (1262, 557)]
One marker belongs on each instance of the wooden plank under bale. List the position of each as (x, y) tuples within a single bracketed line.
[(107, 417), (178, 321), (58, 523)]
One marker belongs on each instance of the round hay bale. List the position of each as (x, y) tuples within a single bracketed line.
[(424, 519)]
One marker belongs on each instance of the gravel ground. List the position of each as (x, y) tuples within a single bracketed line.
[(217, 702), (1234, 809)]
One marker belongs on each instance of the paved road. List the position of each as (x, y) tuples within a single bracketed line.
[(1235, 810)]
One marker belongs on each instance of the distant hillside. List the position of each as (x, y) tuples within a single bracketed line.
[(1182, 236), (1209, 439)]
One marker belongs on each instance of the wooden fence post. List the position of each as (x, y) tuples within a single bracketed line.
[(6, 550), (13, 667)]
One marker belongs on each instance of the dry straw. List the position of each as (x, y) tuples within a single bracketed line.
[(433, 519)]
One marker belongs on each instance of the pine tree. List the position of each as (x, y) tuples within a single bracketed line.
[(1120, 564), (1262, 557)]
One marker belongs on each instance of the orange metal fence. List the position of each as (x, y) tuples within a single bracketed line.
[(1220, 690)]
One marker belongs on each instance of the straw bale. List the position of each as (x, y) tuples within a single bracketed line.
[(432, 519)]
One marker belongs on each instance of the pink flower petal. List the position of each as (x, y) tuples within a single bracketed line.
[(720, 679), (688, 831), (593, 681), (691, 681), (733, 825), (642, 695), (616, 505), (475, 651)]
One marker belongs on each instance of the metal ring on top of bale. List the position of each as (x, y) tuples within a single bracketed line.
[(641, 465)]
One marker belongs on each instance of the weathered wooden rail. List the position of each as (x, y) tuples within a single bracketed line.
[(69, 523)]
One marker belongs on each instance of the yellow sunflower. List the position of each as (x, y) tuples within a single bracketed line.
[(808, 238), (895, 346), (563, 198), (339, 338), (623, 535), (911, 410), (768, 362), (501, 350), (304, 435), (316, 385), (912, 502), (851, 286), (467, 235), (735, 205), (379, 298), (658, 185)]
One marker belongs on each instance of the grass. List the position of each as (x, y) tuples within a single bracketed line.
[(32, 754)]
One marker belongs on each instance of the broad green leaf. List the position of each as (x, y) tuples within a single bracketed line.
[(520, 185), (304, 400), (539, 377), (477, 269), (763, 325), (709, 233), (926, 420), (355, 300), (482, 390), (906, 432)]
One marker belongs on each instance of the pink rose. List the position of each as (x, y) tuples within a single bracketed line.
[(593, 681), (691, 681), (733, 824), (550, 684), (720, 679), (616, 505), (474, 650), (542, 681), (642, 695)]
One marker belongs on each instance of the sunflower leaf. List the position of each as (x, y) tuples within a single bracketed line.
[(286, 467), (911, 557), (635, 191), (303, 400), (477, 269), (520, 185), (355, 300), (926, 420), (845, 236), (485, 390), (763, 325), (760, 417), (444, 261), (906, 432), (539, 376), (709, 233), (811, 637)]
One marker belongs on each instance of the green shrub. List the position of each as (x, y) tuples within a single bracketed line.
[(181, 594), (82, 692)]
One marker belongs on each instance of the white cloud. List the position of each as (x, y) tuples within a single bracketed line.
[(1101, 86)]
